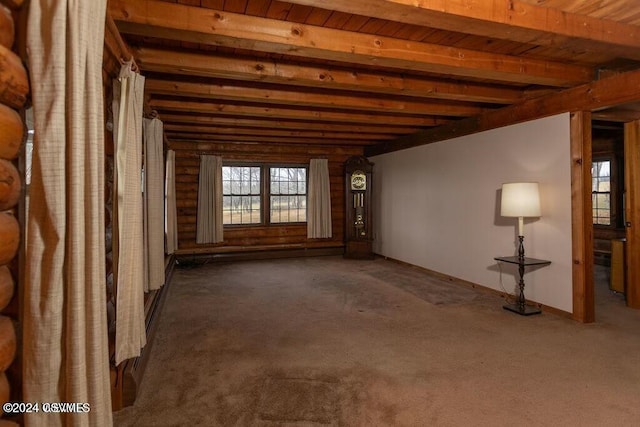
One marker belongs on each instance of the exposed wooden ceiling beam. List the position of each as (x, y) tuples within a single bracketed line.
[(620, 115), (186, 149), (196, 64), (284, 124), (201, 25), (309, 99), (502, 19), (618, 89), (268, 139), (292, 113), (185, 130)]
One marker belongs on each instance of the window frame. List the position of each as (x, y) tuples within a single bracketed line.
[(261, 195), (611, 192), (270, 195), (265, 192)]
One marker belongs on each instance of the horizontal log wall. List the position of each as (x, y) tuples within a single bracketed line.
[(263, 237), (14, 91)]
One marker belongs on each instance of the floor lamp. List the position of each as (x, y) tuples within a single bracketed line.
[(520, 199)]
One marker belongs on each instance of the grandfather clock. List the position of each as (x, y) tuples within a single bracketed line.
[(358, 229)]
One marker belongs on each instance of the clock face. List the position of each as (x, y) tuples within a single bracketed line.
[(358, 180)]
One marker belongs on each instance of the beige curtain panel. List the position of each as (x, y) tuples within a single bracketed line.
[(171, 215), (153, 203), (128, 252), (319, 203), (65, 351), (209, 219)]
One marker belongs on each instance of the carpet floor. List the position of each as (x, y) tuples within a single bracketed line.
[(333, 342)]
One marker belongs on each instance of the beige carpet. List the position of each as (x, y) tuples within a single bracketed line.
[(327, 341)]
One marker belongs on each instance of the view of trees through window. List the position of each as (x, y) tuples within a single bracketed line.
[(244, 195), (601, 192), (241, 199), (288, 194)]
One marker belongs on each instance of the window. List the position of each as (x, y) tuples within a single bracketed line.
[(288, 198), (241, 198), (601, 192), (259, 194)]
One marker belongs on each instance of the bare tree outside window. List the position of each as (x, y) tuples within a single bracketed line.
[(288, 198), (241, 198), (260, 194)]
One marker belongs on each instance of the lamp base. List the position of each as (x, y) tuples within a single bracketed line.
[(526, 310), (521, 247)]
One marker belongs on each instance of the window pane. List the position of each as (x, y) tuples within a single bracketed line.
[(288, 209), (604, 185), (601, 188), (238, 185), (302, 208), (604, 169), (275, 212), (602, 200), (255, 186), (284, 209), (292, 187), (288, 194)]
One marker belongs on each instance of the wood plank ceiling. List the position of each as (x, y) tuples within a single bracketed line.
[(363, 72)]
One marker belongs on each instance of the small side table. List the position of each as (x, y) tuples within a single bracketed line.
[(520, 306)]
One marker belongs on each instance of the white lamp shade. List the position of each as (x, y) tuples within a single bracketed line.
[(520, 199)]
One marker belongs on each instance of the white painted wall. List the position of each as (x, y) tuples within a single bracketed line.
[(437, 206)]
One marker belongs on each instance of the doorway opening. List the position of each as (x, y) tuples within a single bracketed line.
[(607, 190)]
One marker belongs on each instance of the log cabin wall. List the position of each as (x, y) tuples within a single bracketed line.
[(263, 237), (14, 90)]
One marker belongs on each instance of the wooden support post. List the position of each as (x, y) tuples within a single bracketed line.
[(581, 218), (632, 211)]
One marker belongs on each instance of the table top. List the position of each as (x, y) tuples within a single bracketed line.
[(522, 261)]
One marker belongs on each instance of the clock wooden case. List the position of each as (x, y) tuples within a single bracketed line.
[(358, 228)]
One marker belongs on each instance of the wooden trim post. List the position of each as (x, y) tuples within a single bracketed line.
[(632, 211), (581, 218)]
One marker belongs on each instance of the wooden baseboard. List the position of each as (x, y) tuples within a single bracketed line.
[(468, 284), (132, 370), (209, 250), (260, 254)]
